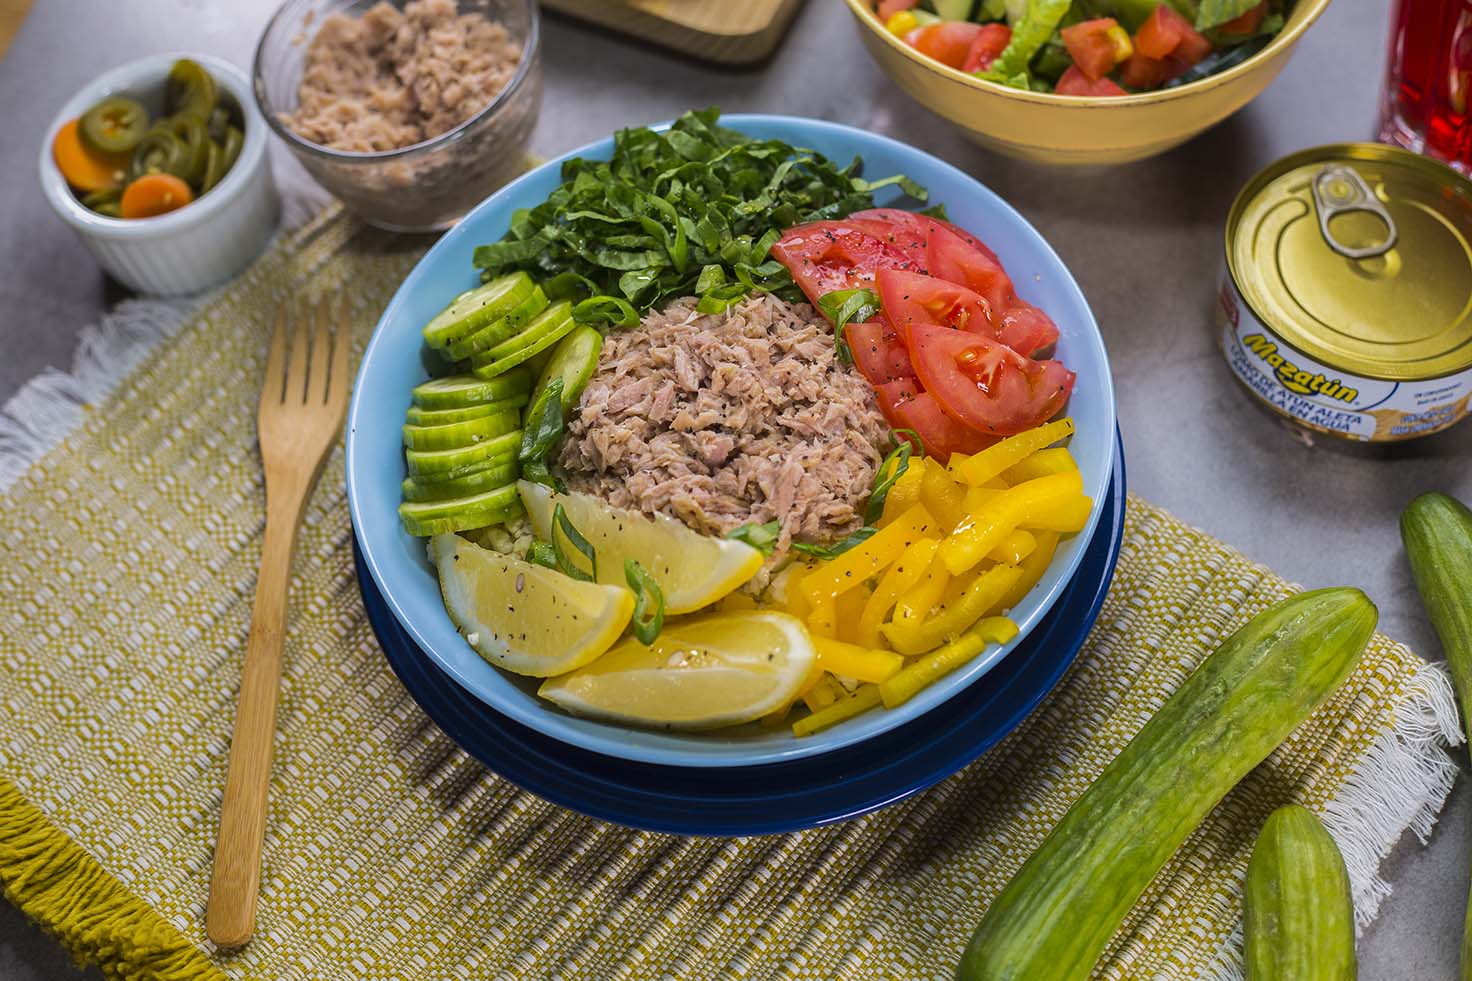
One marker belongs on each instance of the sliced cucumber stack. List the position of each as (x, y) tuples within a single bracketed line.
[(464, 391), (461, 460), (573, 360), (543, 331), (501, 328), (457, 434), (441, 417), (464, 514), (475, 308)]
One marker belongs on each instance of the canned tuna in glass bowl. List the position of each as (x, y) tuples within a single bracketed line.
[(1346, 302)]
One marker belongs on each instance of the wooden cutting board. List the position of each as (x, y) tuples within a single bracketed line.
[(733, 32)]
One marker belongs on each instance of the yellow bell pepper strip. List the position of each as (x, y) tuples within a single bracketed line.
[(853, 661), (991, 461), (823, 620), (944, 496), (901, 23), (900, 578), (957, 613), (1033, 568), (939, 663), (863, 700), (823, 694), (905, 493), (847, 609), (913, 608), (1071, 516), (1014, 548), (1032, 501), (736, 602), (1054, 460), (869, 557)]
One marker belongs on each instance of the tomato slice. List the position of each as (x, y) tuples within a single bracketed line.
[(878, 352), (1026, 329), (909, 298), (947, 42), (1091, 46), (989, 42), (923, 224), (905, 406), (984, 384), (1193, 47), (951, 258), (1166, 33), (1075, 82), (824, 256)]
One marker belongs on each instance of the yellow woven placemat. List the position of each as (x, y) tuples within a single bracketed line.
[(127, 564)]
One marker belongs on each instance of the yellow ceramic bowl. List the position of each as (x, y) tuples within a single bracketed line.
[(1072, 129)]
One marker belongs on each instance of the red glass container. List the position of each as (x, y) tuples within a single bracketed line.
[(1428, 88)]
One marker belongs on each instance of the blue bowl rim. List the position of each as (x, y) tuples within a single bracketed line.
[(611, 739)]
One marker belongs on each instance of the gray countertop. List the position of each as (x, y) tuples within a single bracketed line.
[(1144, 242)]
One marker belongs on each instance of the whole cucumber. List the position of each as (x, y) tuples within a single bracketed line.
[(1056, 916), (1299, 914), (1437, 531)]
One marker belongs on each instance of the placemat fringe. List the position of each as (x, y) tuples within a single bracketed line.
[(59, 886)]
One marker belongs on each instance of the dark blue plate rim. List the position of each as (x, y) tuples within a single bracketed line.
[(776, 797)]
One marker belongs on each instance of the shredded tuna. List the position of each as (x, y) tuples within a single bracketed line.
[(388, 79), (729, 418)]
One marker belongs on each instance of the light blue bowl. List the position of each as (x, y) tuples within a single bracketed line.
[(392, 365)]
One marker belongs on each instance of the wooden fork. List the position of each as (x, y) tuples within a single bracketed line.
[(303, 402)]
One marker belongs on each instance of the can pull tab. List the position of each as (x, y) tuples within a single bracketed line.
[(1338, 190)]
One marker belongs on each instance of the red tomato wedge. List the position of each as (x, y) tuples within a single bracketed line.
[(878, 352), (923, 224), (906, 407), (1248, 23), (824, 256), (1093, 47), (984, 384), (1026, 329), (947, 42), (951, 258), (1165, 33), (1075, 82), (990, 42), (1144, 72), (909, 298)]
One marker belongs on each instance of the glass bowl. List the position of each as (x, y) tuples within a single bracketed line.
[(429, 185)]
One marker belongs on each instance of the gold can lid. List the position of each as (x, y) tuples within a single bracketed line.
[(1360, 255)]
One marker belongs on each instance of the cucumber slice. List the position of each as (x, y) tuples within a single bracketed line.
[(547, 334), (546, 322), (498, 330), (442, 517), (457, 462), (466, 433), (460, 391), (574, 360), (476, 482), (952, 9), (441, 417), (476, 307), (537, 362)]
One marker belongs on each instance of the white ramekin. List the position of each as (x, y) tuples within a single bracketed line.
[(200, 245)]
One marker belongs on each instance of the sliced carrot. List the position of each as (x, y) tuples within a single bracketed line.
[(85, 169), (155, 194)]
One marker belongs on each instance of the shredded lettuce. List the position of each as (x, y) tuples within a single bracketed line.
[(1028, 36), (691, 211)]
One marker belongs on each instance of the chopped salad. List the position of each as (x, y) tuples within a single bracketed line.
[(1086, 47)]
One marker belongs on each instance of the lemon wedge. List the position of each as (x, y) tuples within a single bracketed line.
[(693, 570), (523, 617), (702, 673)]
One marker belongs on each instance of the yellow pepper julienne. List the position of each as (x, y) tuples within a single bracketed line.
[(901, 577), (939, 663), (1033, 567), (1014, 548), (905, 493), (862, 700), (1027, 503), (914, 606), (870, 557), (960, 609), (990, 462), (823, 620), (1056, 459), (823, 694), (944, 496), (847, 609), (853, 661)]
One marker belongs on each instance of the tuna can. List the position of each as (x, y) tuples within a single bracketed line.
[(1346, 302)]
